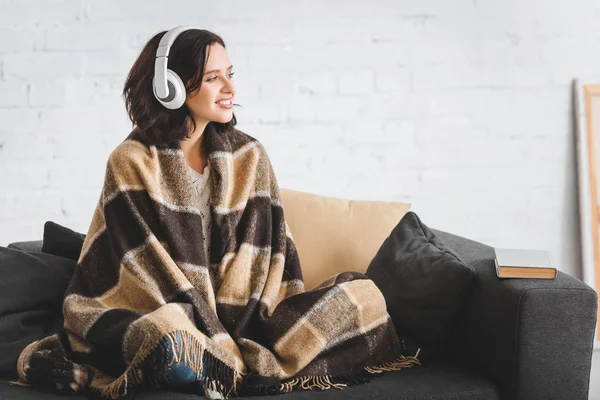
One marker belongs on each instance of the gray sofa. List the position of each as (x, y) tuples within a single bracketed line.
[(515, 339)]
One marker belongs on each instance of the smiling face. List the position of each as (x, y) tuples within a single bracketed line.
[(217, 84)]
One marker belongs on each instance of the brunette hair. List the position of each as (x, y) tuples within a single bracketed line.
[(157, 124)]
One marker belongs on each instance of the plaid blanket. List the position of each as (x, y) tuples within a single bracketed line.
[(142, 275)]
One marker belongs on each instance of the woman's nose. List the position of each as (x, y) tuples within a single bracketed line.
[(229, 87)]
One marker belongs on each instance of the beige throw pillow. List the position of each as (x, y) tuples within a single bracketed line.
[(335, 235)]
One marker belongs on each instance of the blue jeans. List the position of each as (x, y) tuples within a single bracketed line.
[(176, 374)]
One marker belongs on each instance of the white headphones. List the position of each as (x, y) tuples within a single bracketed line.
[(167, 86)]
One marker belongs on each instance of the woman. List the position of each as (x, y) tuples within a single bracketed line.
[(189, 278)]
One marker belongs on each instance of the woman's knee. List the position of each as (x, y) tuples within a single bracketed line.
[(172, 372)]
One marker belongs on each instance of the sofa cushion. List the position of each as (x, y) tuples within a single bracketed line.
[(336, 235), (439, 380), (32, 287), (62, 241), (30, 245), (423, 281)]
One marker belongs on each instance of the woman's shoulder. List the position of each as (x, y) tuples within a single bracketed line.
[(130, 151), (134, 150)]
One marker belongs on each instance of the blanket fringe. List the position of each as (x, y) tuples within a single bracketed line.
[(217, 375), (118, 389), (398, 364), (325, 382), (322, 382), (19, 383)]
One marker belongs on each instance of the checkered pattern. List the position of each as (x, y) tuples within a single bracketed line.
[(143, 275)]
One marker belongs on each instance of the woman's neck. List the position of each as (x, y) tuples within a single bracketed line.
[(194, 151)]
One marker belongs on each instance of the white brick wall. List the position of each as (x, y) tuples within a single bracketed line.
[(462, 108)]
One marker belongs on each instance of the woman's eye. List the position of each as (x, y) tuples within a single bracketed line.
[(214, 77)]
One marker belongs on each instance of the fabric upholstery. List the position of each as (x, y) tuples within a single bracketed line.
[(532, 337), (439, 380), (486, 343), (32, 285), (32, 245), (335, 235)]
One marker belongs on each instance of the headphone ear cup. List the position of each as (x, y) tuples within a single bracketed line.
[(177, 93)]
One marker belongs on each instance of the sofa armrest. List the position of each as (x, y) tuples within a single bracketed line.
[(533, 338)]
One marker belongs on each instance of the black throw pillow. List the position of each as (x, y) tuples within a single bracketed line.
[(32, 288), (62, 241), (424, 284)]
